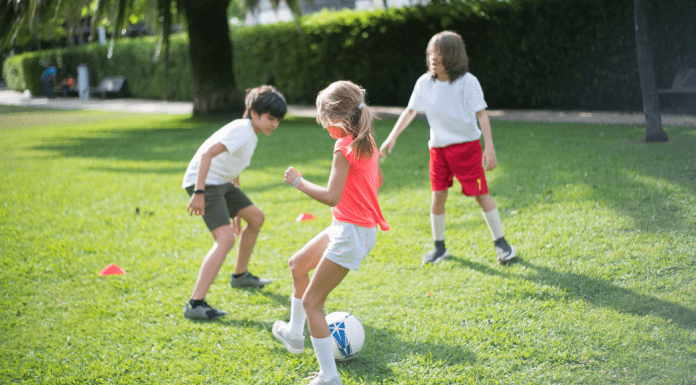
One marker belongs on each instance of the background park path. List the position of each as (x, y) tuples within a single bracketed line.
[(13, 98)]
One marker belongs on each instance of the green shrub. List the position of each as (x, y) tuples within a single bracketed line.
[(527, 53), (555, 54)]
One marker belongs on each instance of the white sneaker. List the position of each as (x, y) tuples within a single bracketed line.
[(294, 345), (320, 380)]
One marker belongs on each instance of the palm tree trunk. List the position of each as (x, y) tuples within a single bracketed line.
[(214, 89), (651, 104)]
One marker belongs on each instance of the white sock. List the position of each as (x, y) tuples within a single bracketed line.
[(323, 348), (297, 318), (437, 222), (494, 224)]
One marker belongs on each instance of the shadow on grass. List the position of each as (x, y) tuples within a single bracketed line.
[(537, 160), (598, 292), (384, 347), (544, 163), (178, 141)]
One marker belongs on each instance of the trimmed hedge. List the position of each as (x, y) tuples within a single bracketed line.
[(556, 54)]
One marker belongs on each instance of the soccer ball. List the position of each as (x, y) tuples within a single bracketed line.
[(347, 333)]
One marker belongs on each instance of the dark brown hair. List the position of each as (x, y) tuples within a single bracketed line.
[(342, 104), (451, 47), (264, 99)]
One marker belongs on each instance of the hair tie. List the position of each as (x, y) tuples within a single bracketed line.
[(361, 106)]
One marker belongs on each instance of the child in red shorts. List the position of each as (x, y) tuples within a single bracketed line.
[(453, 101)]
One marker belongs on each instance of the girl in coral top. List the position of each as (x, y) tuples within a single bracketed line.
[(352, 195)]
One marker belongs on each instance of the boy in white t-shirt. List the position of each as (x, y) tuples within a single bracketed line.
[(212, 181), (453, 101)]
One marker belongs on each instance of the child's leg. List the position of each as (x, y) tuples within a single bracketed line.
[(300, 265), (254, 218), (486, 202), (437, 223), (326, 277), (224, 241), (504, 251), (437, 214), (305, 261), (490, 214)]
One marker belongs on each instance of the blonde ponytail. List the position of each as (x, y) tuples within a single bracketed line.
[(363, 142), (343, 104)]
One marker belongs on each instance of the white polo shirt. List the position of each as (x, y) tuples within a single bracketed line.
[(240, 140), (450, 108)]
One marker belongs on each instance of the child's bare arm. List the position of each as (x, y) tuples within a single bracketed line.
[(489, 159), (330, 195), (404, 120)]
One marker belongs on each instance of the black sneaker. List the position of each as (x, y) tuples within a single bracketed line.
[(505, 252), (435, 255), (203, 311), (248, 280)]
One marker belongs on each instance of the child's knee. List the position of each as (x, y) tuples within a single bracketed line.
[(294, 265), (226, 243), (256, 219), (309, 303), (224, 237)]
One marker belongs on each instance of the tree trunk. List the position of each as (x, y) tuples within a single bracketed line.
[(214, 89), (651, 104)]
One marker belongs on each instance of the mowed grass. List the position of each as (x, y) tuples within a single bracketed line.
[(603, 290)]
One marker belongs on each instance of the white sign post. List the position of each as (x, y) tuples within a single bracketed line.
[(83, 81)]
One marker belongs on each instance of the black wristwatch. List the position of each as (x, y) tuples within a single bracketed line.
[(199, 191)]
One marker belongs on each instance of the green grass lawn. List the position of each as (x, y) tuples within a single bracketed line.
[(603, 290)]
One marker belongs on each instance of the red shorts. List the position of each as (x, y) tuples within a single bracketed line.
[(462, 160)]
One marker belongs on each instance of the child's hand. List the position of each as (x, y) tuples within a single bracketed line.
[(386, 147), (196, 205), (236, 226), (489, 159), (291, 174)]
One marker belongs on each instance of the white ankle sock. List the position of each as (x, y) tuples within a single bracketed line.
[(297, 317), (323, 348), (437, 222), (494, 224)]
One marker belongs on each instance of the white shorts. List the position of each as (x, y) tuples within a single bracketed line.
[(349, 243)]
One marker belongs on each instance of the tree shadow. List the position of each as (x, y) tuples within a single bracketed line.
[(598, 292), (177, 141), (605, 164)]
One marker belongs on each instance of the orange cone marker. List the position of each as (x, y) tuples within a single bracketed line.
[(112, 269), (305, 217)]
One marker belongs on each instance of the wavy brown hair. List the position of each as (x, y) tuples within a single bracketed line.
[(339, 105), (451, 47)]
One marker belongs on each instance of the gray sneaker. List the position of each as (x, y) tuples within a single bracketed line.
[(203, 312), (248, 280), (435, 255), (294, 345), (320, 380), (505, 252)]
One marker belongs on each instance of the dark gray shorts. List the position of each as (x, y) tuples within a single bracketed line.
[(222, 202)]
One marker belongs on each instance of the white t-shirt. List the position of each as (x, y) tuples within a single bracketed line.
[(239, 139), (450, 108)]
